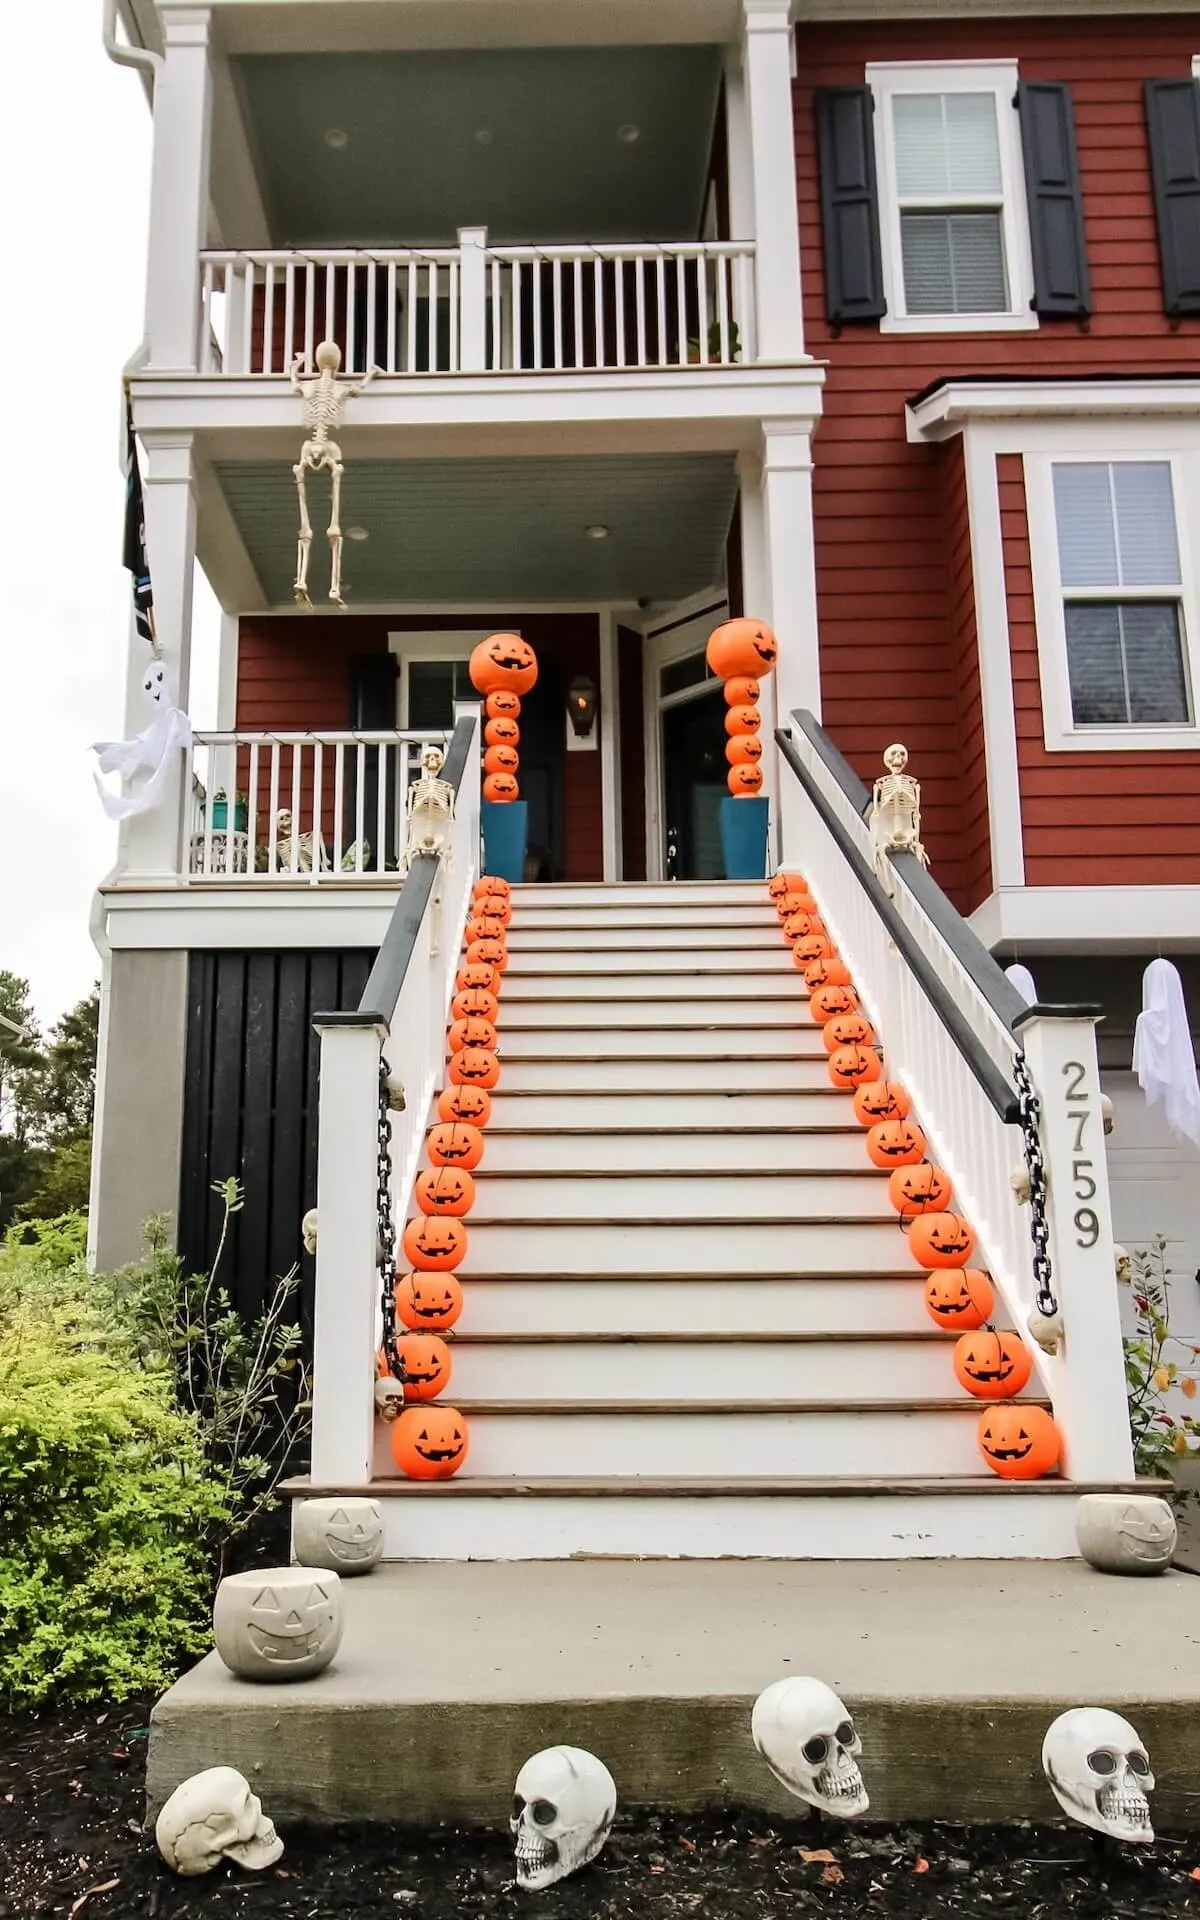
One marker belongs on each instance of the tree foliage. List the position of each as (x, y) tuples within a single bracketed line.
[(47, 1093)]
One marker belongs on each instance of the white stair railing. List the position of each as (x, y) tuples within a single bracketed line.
[(951, 1026), (401, 1020)]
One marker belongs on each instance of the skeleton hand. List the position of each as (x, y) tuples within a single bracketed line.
[(360, 386), (297, 363)]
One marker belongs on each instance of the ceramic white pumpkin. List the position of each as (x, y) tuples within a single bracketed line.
[(346, 1535), (280, 1623)]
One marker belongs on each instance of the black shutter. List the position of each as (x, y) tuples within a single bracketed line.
[(373, 710), (849, 204), (1062, 285), (1173, 124)]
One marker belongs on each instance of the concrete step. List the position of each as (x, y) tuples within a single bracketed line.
[(674, 936), (578, 1041), (648, 1303), (786, 1007), (855, 1193), (657, 985), (618, 1441), (634, 959), (529, 917), (684, 1367), (735, 1071), (569, 1105), (730, 1247), (513, 1149)]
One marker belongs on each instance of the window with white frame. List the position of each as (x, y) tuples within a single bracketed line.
[(1124, 628), (953, 220)]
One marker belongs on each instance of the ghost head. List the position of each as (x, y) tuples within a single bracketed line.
[(807, 1738), (214, 1817), (158, 684), (1099, 1772), (564, 1804)]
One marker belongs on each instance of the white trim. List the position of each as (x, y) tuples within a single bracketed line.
[(447, 644), (886, 79), (1196, 66), (1102, 919), (1005, 825), (227, 673), (690, 626), (956, 404), (1060, 731), (610, 747)]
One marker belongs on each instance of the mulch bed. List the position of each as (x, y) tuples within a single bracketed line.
[(71, 1844)]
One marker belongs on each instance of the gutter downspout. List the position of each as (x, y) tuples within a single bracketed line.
[(142, 59)]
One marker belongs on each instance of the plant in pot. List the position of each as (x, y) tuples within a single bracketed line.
[(695, 356), (220, 811)]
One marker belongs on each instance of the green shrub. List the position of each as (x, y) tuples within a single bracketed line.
[(106, 1510)]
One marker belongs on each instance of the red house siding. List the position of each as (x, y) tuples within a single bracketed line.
[(295, 673), (1088, 819), (890, 587), (974, 822)]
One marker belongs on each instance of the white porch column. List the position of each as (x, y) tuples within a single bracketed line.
[(610, 746), (151, 841), (472, 296), (767, 62), (179, 187), (790, 573)]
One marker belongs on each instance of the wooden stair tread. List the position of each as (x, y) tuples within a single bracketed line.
[(706, 1174), (705, 1338), (477, 1218), (906, 1274), (847, 1129), (707, 1488), (710, 1409)]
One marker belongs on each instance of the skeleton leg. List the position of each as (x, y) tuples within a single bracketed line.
[(304, 548), (335, 535)]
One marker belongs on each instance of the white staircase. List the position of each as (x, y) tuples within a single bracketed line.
[(692, 1324)]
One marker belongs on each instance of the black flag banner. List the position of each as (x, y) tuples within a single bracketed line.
[(135, 536)]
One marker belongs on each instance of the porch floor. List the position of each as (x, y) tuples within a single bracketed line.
[(451, 1675)]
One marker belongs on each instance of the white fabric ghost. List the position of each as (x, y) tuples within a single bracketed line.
[(1022, 980), (152, 751), (1163, 1059)]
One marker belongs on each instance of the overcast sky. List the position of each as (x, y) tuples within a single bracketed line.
[(75, 146)]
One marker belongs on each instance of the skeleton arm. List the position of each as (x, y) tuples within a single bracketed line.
[(352, 390), (297, 383)]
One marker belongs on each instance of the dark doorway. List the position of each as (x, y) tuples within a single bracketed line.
[(694, 770)]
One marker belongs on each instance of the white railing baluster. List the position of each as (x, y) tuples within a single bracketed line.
[(601, 355), (619, 286), (330, 300), (248, 316), (497, 328), (310, 314), (206, 318), (517, 361), (268, 352), (432, 354), (294, 835), (318, 810), (681, 308), (289, 317), (577, 329), (410, 331), (360, 804), (369, 357), (719, 270), (660, 281), (557, 294), (639, 269), (381, 810), (252, 809), (273, 818), (537, 315), (351, 315)]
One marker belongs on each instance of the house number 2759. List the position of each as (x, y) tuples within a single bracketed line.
[(1079, 1112)]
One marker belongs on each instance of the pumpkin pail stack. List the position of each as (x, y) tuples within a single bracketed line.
[(742, 653), (503, 668)]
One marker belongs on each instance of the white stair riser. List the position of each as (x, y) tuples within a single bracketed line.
[(700, 1248), (707, 1153), (662, 987), (684, 1197), (548, 963), (653, 1306), (640, 1074), (528, 918), (708, 1372), (680, 894), (862, 1442), (785, 1010), (672, 938), (973, 1526), (582, 1041), (571, 1105)]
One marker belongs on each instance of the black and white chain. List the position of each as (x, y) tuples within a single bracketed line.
[(385, 1226), (1039, 1230)]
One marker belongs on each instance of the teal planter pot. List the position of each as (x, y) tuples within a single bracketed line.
[(744, 838), (504, 829), (220, 816)]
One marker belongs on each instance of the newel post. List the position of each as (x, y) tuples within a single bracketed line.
[(472, 296), (344, 1336), (1088, 1375)]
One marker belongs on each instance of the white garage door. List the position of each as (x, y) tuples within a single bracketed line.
[(1155, 1182)]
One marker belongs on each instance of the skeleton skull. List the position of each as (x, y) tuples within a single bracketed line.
[(807, 1738), (1099, 1772), (564, 1804), (214, 1817)]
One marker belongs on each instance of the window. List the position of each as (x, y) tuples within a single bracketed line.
[(954, 225), (1118, 558)]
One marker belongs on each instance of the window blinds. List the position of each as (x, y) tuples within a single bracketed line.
[(1116, 524)]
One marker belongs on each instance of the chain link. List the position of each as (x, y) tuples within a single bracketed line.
[(385, 1226), (1039, 1230)]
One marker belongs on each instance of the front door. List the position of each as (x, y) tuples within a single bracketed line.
[(685, 761)]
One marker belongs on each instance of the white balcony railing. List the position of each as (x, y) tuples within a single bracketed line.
[(307, 808), (477, 309)]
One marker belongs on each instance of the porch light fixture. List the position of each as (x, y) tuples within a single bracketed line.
[(629, 135), (598, 532), (581, 706), (484, 136), (357, 533), (337, 138)]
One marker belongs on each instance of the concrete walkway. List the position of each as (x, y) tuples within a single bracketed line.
[(449, 1676)]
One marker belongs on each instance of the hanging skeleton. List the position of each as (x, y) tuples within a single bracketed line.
[(429, 811), (324, 400), (895, 816)]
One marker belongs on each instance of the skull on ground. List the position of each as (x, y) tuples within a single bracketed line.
[(214, 1817), (808, 1739), (1099, 1772), (564, 1804)]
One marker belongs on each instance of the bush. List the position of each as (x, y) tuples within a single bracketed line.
[(106, 1510)]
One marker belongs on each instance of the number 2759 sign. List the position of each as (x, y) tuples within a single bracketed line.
[(1081, 1117)]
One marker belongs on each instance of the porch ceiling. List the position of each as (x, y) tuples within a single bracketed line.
[(522, 141), (505, 531)]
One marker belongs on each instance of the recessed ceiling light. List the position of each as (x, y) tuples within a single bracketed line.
[(337, 138), (357, 533), (484, 136), (628, 135), (598, 532)]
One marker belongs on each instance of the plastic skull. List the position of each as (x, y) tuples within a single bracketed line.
[(564, 1804), (1099, 1772), (214, 1817), (808, 1739)]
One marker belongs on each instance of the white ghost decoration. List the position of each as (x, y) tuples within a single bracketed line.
[(152, 751), (1163, 1059), (1099, 1772), (564, 1804), (808, 1739), (214, 1817)]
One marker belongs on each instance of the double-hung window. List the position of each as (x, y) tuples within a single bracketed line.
[(954, 225)]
